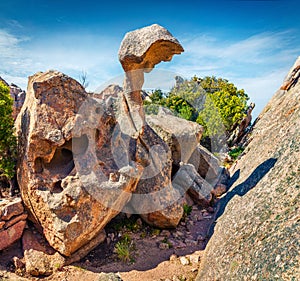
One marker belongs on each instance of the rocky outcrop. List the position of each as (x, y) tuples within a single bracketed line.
[(241, 129), (18, 96), (84, 157), (206, 164), (292, 77), (12, 221), (154, 197), (257, 233), (111, 91), (62, 199)]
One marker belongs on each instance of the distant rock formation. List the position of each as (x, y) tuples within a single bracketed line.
[(257, 233), (18, 95), (292, 77), (241, 130)]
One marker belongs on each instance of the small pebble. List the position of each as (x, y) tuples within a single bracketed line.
[(163, 246), (184, 260), (194, 258)]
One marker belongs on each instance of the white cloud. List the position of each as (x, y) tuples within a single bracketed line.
[(68, 53)]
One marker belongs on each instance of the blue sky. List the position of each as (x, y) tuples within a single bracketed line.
[(251, 43)]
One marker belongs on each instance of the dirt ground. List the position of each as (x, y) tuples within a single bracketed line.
[(154, 254)]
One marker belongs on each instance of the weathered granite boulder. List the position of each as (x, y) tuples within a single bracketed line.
[(180, 135), (144, 48), (12, 221), (139, 52), (188, 180), (257, 233), (206, 164), (66, 201)]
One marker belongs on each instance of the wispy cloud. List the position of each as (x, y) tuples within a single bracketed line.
[(257, 63), (69, 53), (208, 53)]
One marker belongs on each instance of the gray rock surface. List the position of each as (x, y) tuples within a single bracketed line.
[(144, 48), (257, 233), (206, 164)]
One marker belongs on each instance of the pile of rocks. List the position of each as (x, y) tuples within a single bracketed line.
[(12, 221), (84, 158)]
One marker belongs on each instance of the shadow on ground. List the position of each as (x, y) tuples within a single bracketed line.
[(242, 188)]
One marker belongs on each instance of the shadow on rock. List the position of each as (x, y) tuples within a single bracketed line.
[(242, 188)]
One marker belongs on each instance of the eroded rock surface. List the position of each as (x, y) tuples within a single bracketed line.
[(144, 48), (64, 202), (257, 233), (154, 198), (12, 221)]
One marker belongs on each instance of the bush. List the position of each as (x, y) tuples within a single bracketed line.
[(212, 102), (124, 249), (8, 142)]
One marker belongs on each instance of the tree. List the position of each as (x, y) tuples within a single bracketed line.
[(214, 103), (8, 142), (231, 102)]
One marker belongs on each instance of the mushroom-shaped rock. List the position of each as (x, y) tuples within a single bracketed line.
[(144, 48), (139, 52)]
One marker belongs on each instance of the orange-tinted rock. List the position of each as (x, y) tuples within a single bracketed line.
[(68, 204), (11, 235), (10, 207)]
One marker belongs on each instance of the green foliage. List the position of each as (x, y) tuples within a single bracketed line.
[(214, 103), (180, 107), (236, 152), (124, 249), (222, 99), (8, 142), (187, 209), (127, 224)]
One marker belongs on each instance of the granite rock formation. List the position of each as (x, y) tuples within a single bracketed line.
[(257, 233), (139, 52), (12, 221), (54, 191)]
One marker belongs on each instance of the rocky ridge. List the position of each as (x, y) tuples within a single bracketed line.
[(257, 232)]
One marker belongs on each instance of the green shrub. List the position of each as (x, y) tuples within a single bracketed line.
[(186, 210), (236, 152), (214, 103), (124, 249), (8, 142)]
